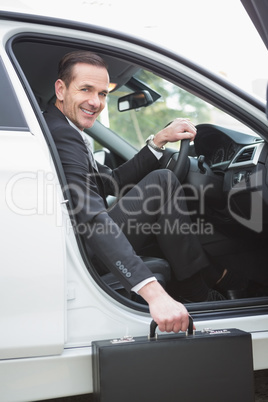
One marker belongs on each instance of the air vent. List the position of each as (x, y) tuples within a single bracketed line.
[(245, 155), (248, 156)]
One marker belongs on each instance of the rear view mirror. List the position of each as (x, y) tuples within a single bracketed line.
[(135, 100)]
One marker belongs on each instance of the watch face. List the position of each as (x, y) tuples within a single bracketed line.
[(151, 137)]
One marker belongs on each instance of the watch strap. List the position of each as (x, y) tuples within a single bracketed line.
[(150, 142)]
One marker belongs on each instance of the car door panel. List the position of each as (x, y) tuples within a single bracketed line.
[(32, 289)]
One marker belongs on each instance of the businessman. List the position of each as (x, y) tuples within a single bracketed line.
[(153, 200)]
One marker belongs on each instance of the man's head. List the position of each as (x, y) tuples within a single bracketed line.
[(82, 87)]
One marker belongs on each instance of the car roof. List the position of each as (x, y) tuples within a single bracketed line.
[(41, 70)]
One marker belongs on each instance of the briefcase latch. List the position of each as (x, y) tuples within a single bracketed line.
[(215, 331), (125, 339)]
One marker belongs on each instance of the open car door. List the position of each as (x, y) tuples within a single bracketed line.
[(258, 13)]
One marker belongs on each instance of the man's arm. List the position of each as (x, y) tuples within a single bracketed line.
[(130, 172), (117, 254), (146, 160)]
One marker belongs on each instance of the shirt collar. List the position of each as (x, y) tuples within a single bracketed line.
[(75, 127)]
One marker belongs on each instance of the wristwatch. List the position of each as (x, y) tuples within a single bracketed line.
[(150, 141)]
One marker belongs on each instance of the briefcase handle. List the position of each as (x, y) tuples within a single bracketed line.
[(153, 327)]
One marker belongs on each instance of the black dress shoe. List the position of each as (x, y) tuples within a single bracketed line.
[(232, 286), (213, 295), (233, 294)]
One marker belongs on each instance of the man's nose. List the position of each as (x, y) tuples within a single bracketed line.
[(94, 100)]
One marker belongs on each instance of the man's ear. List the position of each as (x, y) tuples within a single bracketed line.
[(59, 89)]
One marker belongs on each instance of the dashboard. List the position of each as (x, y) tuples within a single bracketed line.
[(220, 145), (230, 170), (234, 172)]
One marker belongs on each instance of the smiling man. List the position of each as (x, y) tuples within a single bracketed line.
[(81, 90), (83, 97)]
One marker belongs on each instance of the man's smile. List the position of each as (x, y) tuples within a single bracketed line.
[(88, 112)]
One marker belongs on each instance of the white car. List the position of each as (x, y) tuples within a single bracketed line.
[(53, 302)]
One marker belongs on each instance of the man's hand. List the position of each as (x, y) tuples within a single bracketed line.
[(169, 314), (178, 130)]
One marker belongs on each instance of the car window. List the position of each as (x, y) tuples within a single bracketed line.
[(11, 117), (136, 125)]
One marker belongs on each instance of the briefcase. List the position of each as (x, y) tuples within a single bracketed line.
[(208, 365)]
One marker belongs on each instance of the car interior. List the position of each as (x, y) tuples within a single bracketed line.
[(223, 172)]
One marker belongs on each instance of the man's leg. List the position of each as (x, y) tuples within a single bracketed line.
[(155, 211)]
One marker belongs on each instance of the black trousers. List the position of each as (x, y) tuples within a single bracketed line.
[(154, 212)]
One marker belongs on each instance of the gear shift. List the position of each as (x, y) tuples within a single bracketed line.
[(200, 162)]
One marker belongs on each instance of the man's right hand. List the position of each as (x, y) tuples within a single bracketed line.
[(178, 130), (170, 315)]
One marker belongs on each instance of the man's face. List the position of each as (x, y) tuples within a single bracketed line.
[(85, 98)]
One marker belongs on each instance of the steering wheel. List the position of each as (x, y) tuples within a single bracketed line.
[(181, 166)]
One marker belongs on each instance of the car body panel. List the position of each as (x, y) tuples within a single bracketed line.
[(33, 256), (32, 278)]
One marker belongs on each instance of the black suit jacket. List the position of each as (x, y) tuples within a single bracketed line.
[(89, 189)]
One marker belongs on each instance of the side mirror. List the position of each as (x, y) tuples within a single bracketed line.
[(135, 100)]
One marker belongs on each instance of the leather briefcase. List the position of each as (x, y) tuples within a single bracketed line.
[(210, 366)]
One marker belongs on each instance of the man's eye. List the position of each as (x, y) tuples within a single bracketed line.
[(84, 89), (104, 94)]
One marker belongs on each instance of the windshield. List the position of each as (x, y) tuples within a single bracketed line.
[(137, 124)]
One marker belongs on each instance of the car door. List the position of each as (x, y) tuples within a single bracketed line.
[(32, 256), (257, 11)]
